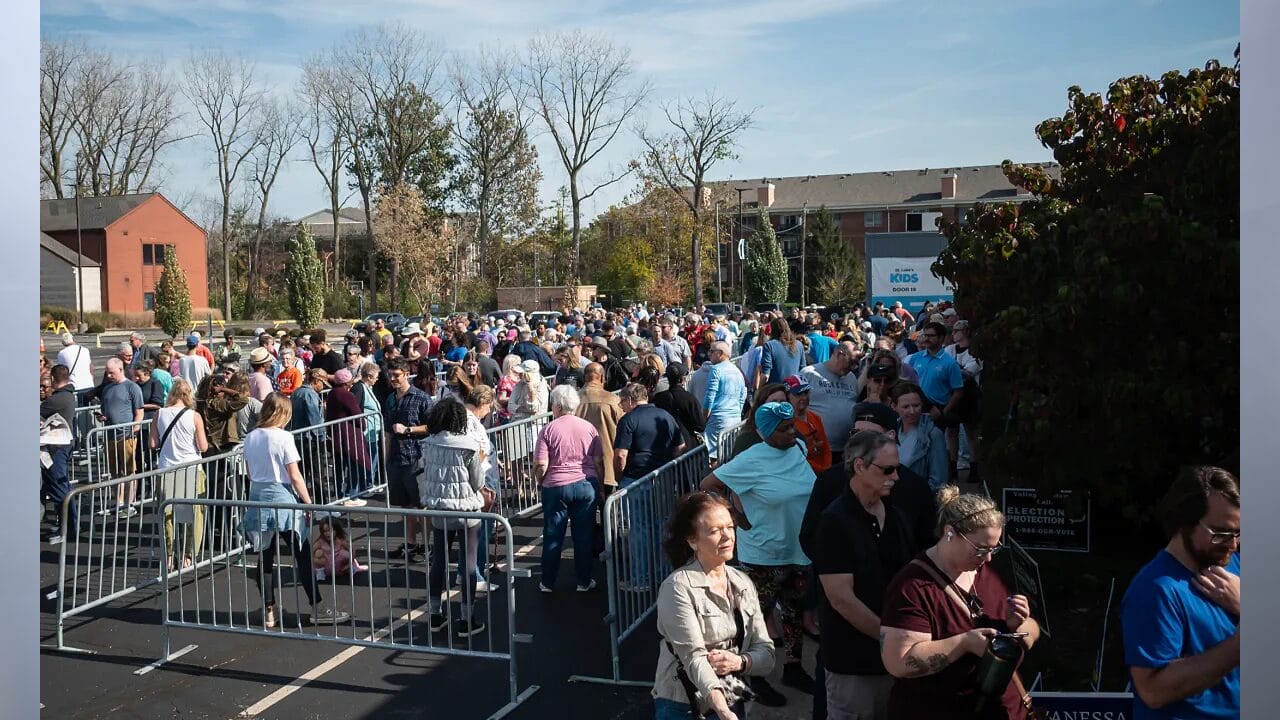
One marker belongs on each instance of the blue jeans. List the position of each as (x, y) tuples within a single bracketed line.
[(671, 710), (568, 504), (56, 484), (642, 542)]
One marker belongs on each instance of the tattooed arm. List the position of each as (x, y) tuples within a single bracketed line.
[(909, 654)]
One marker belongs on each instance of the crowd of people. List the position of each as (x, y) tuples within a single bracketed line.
[(835, 516)]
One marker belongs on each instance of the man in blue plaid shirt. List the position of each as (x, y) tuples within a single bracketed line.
[(406, 413)]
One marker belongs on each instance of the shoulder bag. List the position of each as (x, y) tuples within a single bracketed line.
[(1016, 681), (739, 638)]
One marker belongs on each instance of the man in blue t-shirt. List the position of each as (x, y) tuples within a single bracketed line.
[(942, 383), (1181, 614), (648, 437)]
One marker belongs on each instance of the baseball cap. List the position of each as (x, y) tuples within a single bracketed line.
[(193, 340), (880, 371), (878, 413), (796, 385)]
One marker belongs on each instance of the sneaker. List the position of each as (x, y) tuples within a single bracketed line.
[(766, 694), (127, 511), (588, 587), (793, 675), (438, 622), (325, 615), (544, 588), (354, 502), (412, 553), (467, 628), (54, 539), (483, 586), (269, 617)]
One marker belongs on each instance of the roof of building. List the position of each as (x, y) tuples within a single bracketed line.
[(64, 252), (347, 215), (981, 183), (96, 213)]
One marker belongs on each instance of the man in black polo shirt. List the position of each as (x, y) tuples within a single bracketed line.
[(648, 437), (323, 356), (863, 540)]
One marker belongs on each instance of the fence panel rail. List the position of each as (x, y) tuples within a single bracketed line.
[(513, 446)]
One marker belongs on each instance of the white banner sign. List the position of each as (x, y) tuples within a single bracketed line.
[(907, 280)]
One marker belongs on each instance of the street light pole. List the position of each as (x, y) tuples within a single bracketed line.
[(742, 290), (719, 278), (804, 242)]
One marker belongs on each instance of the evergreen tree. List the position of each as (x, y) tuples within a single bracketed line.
[(172, 299), (841, 279), (305, 279), (765, 270)]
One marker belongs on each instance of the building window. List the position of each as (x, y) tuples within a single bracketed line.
[(874, 218), (153, 253), (148, 301)]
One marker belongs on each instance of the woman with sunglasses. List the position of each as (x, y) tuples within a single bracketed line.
[(941, 611)]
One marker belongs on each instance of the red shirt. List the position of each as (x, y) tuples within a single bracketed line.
[(915, 601), (434, 343)]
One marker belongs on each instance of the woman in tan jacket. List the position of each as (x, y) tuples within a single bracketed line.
[(713, 632)]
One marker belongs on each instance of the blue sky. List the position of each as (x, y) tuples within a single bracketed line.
[(839, 85)]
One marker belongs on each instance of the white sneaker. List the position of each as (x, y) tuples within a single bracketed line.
[(544, 588), (484, 587), (354, 502), (588, 587)]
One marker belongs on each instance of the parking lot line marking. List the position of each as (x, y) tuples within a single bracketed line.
[(302, 680), (161, 661)]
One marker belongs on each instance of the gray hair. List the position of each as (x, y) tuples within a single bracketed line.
[(369, 370), (635, 392), (566, 398), (723, 347), (137, 336), (864, 445)]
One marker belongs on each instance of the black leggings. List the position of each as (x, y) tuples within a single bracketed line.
[(301, 566)]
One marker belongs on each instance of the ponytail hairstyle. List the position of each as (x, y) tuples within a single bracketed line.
[(966, 512)]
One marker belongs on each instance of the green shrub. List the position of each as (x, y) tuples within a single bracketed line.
[(57, 313), (97, 328)]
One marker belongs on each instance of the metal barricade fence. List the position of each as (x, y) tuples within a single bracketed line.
[(342, 460), (111, 549), (116, 451), (513, 446), (727, 439), (350, 588), (635, 520), (87, 418)]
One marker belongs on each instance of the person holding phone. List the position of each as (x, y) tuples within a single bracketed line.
[(940, 613)]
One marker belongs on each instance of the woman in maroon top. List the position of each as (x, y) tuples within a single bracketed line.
[(940, 612), (350, 450)]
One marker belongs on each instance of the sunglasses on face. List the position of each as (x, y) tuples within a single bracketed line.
[(887, 469), (1218, 537)]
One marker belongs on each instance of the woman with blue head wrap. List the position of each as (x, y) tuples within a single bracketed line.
[(772, 481)]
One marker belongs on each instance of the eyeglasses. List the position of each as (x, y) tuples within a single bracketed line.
[(1218, 537), (982, 552), (887, 469)]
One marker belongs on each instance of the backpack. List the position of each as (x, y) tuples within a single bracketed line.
[(615, 375)]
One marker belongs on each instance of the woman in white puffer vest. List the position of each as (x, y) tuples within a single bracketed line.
[(451, 481)]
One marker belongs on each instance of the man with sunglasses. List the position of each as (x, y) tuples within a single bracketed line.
[(1181, 613), (910, 495), (863, 539)]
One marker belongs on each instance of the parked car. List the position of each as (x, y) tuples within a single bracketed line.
[(714, 309), (394, 322), (504, 314), (550, 317)]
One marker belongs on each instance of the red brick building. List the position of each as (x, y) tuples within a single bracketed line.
[(896, 201), (128, 235)]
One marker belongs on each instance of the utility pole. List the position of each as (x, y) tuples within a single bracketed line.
[(804, 242), (80, 326)]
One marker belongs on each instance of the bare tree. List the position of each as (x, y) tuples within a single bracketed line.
[(499, 174), (581, 86), (371, 75), (60, 64), (280, 131), (117, 116), (703, 132), (228, 101), (328, 150)]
